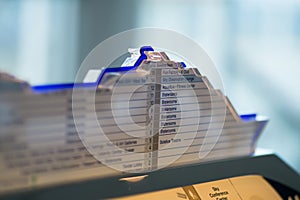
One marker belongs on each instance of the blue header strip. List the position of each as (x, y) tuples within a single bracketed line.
[(248, 117)]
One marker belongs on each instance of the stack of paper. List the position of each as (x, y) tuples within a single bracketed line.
[(157, 115)]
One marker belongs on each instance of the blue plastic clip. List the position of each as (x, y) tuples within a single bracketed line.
[(142, 57), (56, 87)]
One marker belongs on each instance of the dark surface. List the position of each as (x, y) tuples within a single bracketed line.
[(269, 166)]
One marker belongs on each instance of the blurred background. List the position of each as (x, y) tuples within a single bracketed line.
[(255, 45)]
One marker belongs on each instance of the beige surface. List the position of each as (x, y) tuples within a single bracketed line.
[(251, 187)]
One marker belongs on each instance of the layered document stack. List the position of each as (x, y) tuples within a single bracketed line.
[(157, 113)]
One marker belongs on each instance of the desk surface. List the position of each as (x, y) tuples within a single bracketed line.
[(269, 166)]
